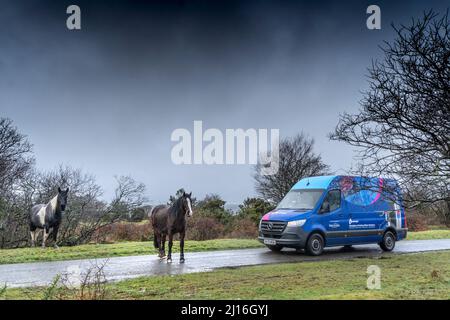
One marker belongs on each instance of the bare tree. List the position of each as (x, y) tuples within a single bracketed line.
[(16, 161), (403, 127), (129, 195), (85, 210), (14, 209), (86, 213), (22, 186), (15, 155), (296, 161)]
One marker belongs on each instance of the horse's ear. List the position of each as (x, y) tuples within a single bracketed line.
[(190, 194), (67, 190), (59, 189), (184, 194)]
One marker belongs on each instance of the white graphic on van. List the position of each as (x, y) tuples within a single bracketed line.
[(334, 225), (354, 224)]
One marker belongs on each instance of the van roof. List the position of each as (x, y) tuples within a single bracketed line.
[(323, 182), (320, 182)]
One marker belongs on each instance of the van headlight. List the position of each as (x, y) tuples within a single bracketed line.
[(296, 223)]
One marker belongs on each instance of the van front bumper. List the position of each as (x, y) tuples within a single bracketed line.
[(291, 237)]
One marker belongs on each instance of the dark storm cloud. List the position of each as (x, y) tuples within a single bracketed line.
[(137, 70)]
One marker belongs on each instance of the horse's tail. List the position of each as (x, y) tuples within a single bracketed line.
[(152, 221), (155, 241), (150, 212), (151, 216)]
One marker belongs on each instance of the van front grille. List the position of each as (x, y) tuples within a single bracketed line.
[(273, 227)]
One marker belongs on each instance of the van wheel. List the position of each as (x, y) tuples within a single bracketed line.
[(388, 242), (275, 248), (315, 244)]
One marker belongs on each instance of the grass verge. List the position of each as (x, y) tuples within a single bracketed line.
[(141, 248), (115, 250), (429, 234), (407, 276)]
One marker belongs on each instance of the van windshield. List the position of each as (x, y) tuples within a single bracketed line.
[(300, 199)]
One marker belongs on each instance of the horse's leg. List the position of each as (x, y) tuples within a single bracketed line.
[(160, 238), (55, 236), (45, 236), (33, 237), (169, 256), (182, 234), (36, 235), (158, 243), (163, 247)]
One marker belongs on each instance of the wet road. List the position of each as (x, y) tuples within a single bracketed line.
[(120, 268)]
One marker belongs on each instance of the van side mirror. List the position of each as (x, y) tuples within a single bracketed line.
[(325, 207)]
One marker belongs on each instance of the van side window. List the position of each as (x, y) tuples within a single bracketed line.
[(335, 199), (331, 202)]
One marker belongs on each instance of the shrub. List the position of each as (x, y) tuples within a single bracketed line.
[(204, 228), (243, 228), (416, 222), (254, 209), (124, 231), (214, 207)]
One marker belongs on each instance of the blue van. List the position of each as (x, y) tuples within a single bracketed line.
[(331, 211)]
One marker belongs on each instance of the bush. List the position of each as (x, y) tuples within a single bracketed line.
[(199, 227), (124, 231), (243, 228), (214, 207), (204, 228), (416, 222), (254, 209)]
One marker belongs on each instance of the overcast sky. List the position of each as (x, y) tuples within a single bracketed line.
[(107, 98)]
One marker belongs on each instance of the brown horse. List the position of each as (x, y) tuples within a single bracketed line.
[(167, 221)]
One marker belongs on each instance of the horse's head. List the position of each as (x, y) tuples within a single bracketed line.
[(187, 203), (62, 198)]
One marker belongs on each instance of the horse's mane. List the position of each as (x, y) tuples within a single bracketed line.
[(177, 206), (53, 202)]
